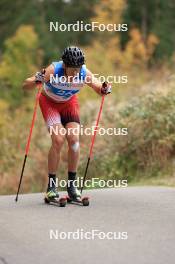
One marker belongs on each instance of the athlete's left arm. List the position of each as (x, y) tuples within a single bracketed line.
[(96, 85)]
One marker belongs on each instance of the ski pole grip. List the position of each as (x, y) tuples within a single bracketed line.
[(43, 71)]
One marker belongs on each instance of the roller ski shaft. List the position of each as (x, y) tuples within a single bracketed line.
[(79, 200), (59, 201)]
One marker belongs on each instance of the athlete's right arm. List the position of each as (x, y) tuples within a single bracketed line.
[(30, 83)]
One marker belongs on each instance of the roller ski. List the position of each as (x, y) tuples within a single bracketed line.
[(74, 196), (52, 196)]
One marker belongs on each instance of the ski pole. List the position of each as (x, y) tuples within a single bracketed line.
[(39, 86), (92, 141)]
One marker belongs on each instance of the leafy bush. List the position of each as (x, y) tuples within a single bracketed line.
[(149, 147)]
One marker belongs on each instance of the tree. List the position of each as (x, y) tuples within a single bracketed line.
[(20, 59), (108, 12), (153, 17)]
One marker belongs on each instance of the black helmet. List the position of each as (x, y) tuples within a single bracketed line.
[(73, 57)]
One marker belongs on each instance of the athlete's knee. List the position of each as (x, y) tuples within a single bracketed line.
[(57, 142), (73, 143), (75, 146)]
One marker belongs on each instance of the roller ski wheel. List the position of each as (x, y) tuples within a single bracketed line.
[(60, 201), (82, 201), (85, 201)]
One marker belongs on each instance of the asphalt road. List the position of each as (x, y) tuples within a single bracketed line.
[(143, 215)]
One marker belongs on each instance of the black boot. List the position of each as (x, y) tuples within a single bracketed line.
[(73, 192), (51, 188)]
